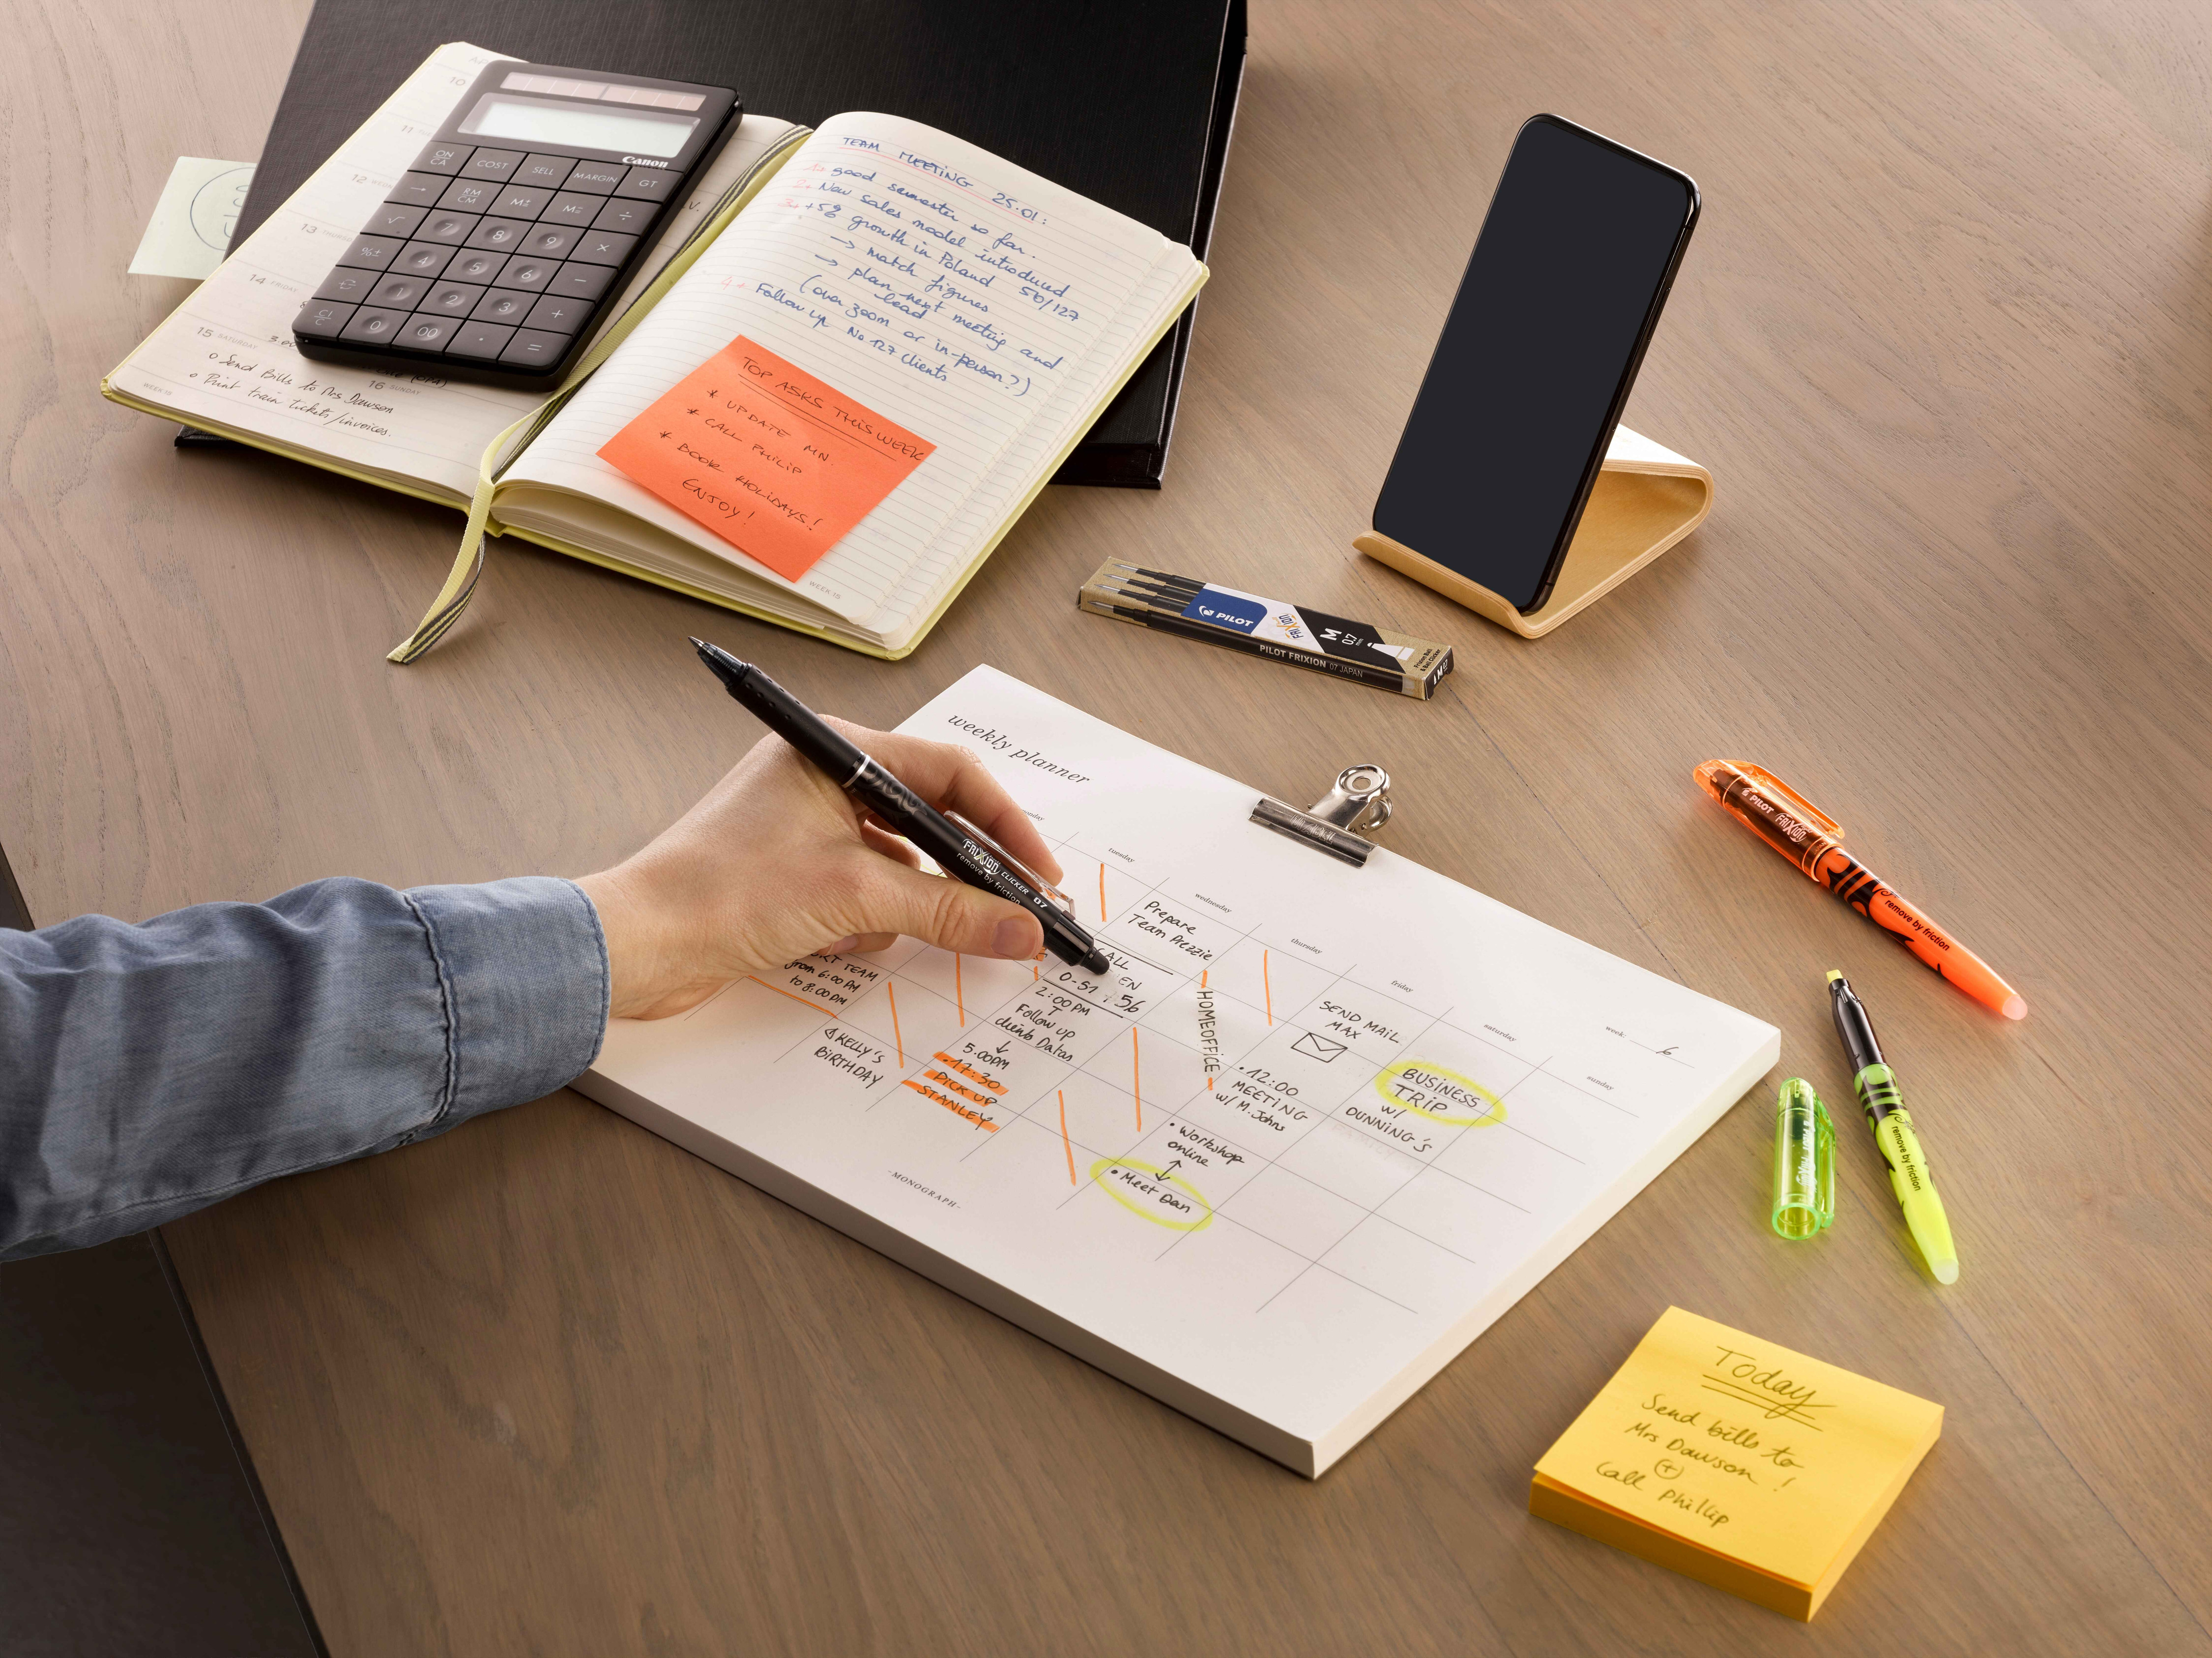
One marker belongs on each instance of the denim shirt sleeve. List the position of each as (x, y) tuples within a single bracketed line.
[(146, 1070)]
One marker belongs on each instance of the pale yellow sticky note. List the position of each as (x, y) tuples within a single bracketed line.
[(1743, 1447), (190, 230)]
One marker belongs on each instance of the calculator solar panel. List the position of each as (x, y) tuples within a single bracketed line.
[(491, 256)]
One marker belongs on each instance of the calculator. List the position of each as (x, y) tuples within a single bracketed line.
[(528, 211)]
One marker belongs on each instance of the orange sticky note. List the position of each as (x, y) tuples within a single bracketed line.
[(777, 463)]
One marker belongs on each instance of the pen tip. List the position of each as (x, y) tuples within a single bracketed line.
[(1098, 962), (1834, 974), (2015, 1007), (1945, 1271)]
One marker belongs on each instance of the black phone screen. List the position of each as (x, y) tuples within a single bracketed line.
[(1568, 271)]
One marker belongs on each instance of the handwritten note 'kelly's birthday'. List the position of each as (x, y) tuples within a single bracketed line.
[(775, 462)]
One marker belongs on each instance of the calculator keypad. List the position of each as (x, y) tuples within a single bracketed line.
[(491, 255)]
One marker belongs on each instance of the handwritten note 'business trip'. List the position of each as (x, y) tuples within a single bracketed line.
[(777, 463)]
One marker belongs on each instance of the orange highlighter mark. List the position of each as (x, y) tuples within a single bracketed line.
[(1065, 1144), (1136, 1079), (780, 990), (774, 461), (897, 1040), (1102, 892), (1265, 988)]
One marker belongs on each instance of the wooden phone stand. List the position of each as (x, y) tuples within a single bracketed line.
[(1646, 498)]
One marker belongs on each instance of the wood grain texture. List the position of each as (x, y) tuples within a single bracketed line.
[(549, 1385)]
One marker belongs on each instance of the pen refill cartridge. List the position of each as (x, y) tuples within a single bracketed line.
[(1804, 1162)]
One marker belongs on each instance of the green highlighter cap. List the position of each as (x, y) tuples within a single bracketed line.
[(1804, 1162)]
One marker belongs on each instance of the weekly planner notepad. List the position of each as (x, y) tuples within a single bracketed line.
[(1316, 1129)]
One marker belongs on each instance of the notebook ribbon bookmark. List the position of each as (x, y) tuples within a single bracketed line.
[(469, 560)]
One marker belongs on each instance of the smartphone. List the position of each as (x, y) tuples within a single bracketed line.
[(1569, 273)]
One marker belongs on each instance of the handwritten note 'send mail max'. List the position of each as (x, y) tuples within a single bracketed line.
[(777, 463)]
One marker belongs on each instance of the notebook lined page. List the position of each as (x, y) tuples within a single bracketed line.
[(954, 293), (1166, 290)]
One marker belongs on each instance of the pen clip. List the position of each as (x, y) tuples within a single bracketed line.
[(1768, 784), (1044, 888)]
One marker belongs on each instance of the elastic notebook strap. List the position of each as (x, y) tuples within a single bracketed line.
[(469, 560)]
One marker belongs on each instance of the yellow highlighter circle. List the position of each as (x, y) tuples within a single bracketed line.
[(1441, 1096), (1149, 1205)]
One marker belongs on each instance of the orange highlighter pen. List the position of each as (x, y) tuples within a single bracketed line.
[(1812, 840)]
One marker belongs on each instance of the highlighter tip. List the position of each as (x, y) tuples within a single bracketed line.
[(1834, 974), (1945, 1271), (2015, 1007)]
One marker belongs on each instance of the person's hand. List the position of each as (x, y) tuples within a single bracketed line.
[(777, 863)]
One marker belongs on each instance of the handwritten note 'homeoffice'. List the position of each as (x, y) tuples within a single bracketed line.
[(777, 463), (1742, 1446)]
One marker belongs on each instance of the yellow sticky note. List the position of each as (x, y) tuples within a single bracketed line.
[(1735, 1461)]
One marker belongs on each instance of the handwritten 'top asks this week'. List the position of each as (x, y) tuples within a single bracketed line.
[(776, 462)]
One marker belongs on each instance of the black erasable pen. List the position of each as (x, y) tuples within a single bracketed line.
[(962, 855)]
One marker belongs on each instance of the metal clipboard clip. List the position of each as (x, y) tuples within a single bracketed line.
[(1358, 802)]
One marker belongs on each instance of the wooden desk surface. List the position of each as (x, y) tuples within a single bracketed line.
[(550, 1385)]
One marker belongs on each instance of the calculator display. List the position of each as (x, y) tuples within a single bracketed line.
[(495, 255), (578, 126)]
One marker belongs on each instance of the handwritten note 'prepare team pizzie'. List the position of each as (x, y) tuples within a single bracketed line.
[(775, 462)]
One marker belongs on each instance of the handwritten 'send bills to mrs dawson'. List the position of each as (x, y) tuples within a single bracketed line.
[(1743, 1448), (779, 463)]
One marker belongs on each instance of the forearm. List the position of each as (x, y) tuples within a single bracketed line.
[(148, 1071)]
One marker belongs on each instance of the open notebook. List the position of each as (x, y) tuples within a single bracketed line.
[(1315, 1130), (1058, 301)]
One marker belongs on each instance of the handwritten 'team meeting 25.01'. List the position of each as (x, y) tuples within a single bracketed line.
[(776, 462)]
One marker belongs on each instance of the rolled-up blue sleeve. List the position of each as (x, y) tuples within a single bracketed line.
[(147, 1070)]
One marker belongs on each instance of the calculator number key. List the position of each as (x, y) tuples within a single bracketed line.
[(500, 235), (504, 305), (450, 228), (474, 265), (370, 326), (528, 273), (452, 299), (422, 259)]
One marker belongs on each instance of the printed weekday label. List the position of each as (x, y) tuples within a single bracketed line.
[(775, 462)]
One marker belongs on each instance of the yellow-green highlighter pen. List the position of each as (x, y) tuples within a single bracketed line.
[(1876, 1086)]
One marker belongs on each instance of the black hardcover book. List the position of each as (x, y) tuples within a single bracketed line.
[(1129, 103)]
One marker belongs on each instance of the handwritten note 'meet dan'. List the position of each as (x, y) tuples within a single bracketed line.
[(1735, 1461), (777, 463)]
